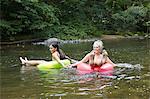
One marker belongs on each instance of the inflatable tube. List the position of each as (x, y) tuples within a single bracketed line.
[(84, 68), (53, 65)]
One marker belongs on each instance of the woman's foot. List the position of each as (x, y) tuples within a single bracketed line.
[(22, 60), (26, 59)]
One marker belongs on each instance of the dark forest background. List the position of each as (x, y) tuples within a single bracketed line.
[(73, 19)]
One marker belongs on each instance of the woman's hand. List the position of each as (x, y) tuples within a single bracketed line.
[(71, 65), (75, 64)]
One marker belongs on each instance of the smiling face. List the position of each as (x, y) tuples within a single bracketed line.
[(52, 49), (97, 47)]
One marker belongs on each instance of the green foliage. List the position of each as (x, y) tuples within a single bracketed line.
[(73, 19), (115, 6), (27, 16), (71, 31), (130, 19)]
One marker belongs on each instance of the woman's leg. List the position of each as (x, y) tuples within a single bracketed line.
[(31, 62)]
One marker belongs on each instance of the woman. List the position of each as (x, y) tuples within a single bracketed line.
[(97, 57), (57, 55)]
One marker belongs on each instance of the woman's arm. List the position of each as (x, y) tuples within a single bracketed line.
[(85, 59), (109, 61)]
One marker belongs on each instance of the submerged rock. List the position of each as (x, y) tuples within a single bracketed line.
[(59, 41), (52, 40), (48, 41)]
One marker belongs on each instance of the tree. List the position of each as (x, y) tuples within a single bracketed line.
[(26, 16)]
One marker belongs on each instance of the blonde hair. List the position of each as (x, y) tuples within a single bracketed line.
[(98, 43)]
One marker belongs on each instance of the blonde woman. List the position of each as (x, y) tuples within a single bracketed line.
[(97, 57)]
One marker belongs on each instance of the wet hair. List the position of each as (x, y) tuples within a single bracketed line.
[(98, 43), (61, 53)]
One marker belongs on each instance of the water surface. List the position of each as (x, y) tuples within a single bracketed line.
[(130, 80)]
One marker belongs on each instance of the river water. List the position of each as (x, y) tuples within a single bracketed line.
[(129, 81)]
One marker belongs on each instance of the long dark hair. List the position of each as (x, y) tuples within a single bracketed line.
[(61, 53)]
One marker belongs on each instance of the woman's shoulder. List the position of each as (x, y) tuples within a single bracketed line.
[(104, 52), (55, 53), (90, 54)]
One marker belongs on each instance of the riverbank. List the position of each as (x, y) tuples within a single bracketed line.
[(47, 41), (111, 37)]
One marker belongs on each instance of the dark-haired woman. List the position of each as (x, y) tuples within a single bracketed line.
[(57, 55)]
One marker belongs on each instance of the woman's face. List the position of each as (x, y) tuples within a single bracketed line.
[(96, 49), (52, 49)]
